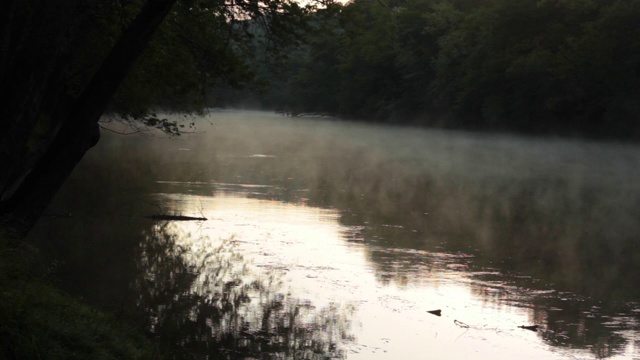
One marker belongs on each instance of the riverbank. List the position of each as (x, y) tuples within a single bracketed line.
[(39, 321)]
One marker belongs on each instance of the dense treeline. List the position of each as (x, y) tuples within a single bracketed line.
[(538, 66)]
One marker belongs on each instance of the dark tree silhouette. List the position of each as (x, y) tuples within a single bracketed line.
[(27, 188), (61, 66)]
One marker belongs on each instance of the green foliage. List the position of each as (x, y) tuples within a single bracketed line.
[(201, 44), (39, 321), (565, 67)]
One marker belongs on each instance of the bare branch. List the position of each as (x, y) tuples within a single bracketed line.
[(119, 132)]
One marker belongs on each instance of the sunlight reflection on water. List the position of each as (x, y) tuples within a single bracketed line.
[(308, 248)]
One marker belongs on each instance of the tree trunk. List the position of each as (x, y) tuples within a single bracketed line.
[(79, 131)]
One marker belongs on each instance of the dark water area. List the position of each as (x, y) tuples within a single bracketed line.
[(328, 239)]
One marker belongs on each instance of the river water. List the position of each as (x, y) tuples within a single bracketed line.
[(330, 239)]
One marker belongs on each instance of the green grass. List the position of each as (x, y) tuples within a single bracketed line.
[(38, 321)]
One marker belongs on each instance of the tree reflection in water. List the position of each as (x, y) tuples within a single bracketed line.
[(210, 304)]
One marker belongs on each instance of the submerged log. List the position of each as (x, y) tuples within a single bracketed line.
[(176, 217)]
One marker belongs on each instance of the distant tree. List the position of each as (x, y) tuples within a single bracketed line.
[(312, 76), (600, 70), (62, 65), (538, 66), (494, 67)]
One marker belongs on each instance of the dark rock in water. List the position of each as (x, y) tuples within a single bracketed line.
[(435, 312), (529, 327)]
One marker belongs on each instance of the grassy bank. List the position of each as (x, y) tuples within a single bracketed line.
[(38, 321)]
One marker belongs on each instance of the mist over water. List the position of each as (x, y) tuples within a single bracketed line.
[(369, 228)]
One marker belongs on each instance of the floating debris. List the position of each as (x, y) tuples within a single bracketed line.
[(529, 327), (461, 324)]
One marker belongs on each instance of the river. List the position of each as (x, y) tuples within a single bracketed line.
[(331, 239)]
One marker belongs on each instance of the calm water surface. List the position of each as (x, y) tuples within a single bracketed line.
[(329, 239)]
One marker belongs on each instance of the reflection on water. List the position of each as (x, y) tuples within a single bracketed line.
[(335, 239), (202, 300)]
